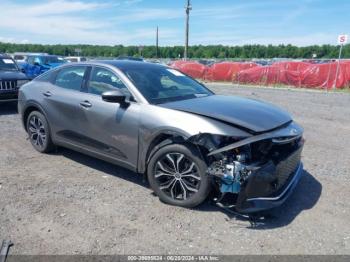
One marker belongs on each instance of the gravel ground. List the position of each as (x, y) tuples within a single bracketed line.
[(69, 203)]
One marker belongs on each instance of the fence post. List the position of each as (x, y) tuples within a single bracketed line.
[(338, 65)]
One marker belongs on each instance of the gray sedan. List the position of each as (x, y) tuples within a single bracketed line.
[(156, 121)]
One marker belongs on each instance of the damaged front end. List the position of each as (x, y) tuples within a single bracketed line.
[(254, 173)]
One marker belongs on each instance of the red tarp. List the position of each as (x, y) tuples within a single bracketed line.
[(226, 71), (193, 69), (310, 76), (323, 75), (298, 74), (267, 75), (291, 65)]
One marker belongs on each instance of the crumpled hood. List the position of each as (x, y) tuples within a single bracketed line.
[(247, 113)]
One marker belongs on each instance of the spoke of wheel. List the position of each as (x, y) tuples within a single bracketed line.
[(32, 129), (188, 170), (167, 185), (43, 137), (172, 189), (32, 122), (37, 141), (178, 162), (159, 164), (41, 143), (183, 190), (193, 176), (163, 174), (36, 122), (172, 161), (188, 187)]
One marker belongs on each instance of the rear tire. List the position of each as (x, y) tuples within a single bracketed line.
[(177, 174), (39, 132)]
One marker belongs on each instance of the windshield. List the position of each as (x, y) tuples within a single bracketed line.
[(161, 84), (8, 64), (51, 60)]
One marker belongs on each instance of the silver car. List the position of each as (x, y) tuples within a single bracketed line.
[(157, 121)]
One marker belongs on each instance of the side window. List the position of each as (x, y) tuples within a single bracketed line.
[(30, 60), (71, 77), (102, 80)]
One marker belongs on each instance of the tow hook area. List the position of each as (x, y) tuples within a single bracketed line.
[(231, 180)]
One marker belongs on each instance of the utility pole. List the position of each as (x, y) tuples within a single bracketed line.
[(157, 49), (188, 9)]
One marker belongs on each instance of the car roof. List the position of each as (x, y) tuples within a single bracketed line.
[(42, 55), (125, 64)]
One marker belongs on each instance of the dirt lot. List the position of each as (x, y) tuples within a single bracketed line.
[(68, 203)]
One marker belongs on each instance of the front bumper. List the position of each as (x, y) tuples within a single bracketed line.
[(256, 204), (8, 96)]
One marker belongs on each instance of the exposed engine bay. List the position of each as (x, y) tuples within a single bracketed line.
[(260, 166)]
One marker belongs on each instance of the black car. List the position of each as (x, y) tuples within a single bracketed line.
[(11, 79)]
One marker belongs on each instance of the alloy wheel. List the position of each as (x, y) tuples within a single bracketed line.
[(177, 176), (37, 131)]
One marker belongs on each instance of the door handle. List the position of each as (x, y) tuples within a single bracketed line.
[(47, 94), (85, 104)]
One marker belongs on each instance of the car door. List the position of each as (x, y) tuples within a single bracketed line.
[(61, 99), (112, 128)]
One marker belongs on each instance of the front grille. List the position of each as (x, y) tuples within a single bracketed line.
[(287, 167), (8, 85)]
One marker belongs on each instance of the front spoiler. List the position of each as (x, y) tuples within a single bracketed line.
[(257, 204)]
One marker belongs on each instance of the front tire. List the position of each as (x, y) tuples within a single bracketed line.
[(177, 174), (39, 132)]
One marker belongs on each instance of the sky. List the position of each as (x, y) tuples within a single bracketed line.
[(134, 22)]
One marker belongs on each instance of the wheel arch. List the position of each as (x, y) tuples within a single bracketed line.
[(157, 141), (31, 107)]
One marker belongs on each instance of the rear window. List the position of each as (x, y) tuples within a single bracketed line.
[(19, 57)]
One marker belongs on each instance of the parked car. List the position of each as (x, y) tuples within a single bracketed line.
[(21, 57), (154, 120), (11, 78), (75, 59), (37, 64)]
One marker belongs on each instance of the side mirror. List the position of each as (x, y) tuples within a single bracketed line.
[(23, 70), (114, 96)]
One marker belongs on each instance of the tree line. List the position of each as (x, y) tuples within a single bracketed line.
[(196, 51)]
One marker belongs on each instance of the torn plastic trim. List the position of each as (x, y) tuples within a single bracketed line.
[(290, 133), (296, 177)]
